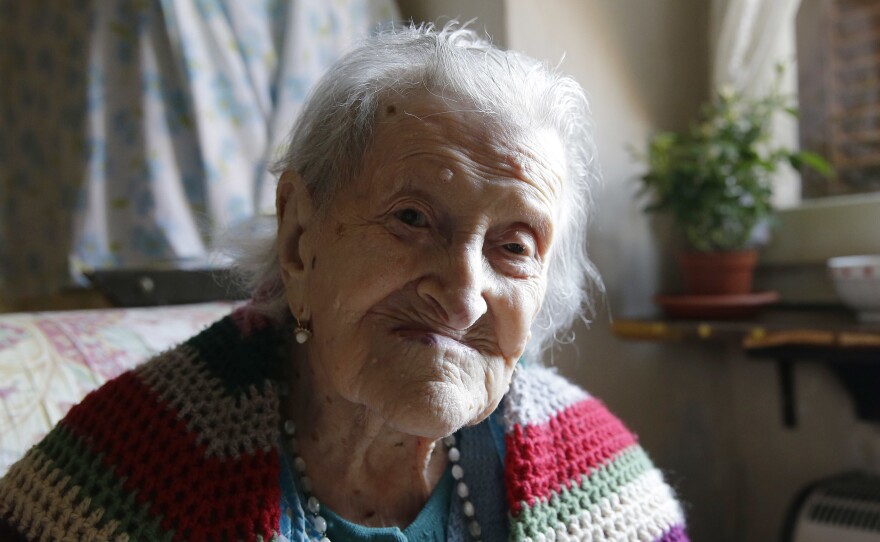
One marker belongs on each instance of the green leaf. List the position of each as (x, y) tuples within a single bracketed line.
[(812, 161)]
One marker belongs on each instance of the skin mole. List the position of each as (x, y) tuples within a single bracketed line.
[(391, 110)]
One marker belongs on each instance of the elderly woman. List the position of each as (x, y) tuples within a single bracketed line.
[(385, 381)]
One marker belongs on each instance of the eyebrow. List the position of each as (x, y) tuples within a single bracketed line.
[(535, 218), (538, 221)]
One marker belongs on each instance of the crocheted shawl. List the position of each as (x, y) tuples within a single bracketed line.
[(185, 447)]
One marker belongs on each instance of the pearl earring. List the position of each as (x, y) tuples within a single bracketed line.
[(302, 333)]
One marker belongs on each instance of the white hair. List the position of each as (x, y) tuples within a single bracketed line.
[(334, 130)]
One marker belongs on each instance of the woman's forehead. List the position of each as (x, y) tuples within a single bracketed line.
[(438, 114), (446, 135)]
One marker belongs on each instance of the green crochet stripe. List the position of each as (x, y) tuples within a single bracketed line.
[(563, 506), (85, 469), (237, 362)]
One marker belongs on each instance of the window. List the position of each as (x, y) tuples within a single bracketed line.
[(838, 48)]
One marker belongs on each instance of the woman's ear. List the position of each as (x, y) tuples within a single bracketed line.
[(294, 209)]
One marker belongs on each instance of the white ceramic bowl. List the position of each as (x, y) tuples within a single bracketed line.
[(857, 281)]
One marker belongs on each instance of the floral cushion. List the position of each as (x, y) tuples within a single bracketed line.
[(49, 361)]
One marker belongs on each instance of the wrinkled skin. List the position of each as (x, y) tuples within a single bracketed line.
[(420, 284)]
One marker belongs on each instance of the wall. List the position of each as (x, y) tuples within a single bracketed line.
[(709, 417), (489, 14)]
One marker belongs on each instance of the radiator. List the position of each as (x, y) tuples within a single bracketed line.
[(845, 508)]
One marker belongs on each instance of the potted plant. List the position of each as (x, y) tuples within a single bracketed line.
[(716, 182)]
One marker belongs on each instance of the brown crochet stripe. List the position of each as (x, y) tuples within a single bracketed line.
[(84, 468), (37, 500), (228, 425)]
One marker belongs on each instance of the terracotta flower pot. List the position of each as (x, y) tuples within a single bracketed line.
[(719, 273)]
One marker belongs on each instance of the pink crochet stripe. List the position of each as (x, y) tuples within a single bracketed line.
[(545, 458)]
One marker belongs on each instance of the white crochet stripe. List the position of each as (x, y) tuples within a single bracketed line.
[(537, 394), (641, 510)]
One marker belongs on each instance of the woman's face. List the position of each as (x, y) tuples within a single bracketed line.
[(425, 274)]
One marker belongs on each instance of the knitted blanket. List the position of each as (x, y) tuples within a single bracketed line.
[(185, 447)]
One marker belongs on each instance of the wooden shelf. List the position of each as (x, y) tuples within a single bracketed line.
[(785, 325), (787, 335)]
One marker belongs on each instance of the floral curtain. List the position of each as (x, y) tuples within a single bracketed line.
[(748, 39), (134, 131)]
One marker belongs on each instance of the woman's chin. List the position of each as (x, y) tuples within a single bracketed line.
[(438, 411)]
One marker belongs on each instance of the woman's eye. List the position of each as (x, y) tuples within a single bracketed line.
[(412, 217), (515, 248)]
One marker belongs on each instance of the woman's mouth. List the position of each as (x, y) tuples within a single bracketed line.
[(432, 337)]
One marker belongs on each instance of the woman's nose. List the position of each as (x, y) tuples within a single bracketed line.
[(455, 289)]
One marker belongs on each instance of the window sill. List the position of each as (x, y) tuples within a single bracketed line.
[(820, 229), (794, 262)]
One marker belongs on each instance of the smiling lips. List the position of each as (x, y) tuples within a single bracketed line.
[(432, 337)]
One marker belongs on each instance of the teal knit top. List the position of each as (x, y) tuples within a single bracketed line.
[(429, 525)]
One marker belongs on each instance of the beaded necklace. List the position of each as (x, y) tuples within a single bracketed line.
[(313, 506)]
